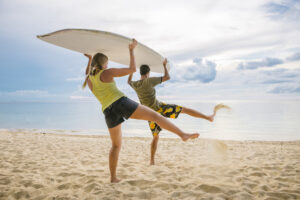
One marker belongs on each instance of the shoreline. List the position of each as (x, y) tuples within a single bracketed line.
[(104, 133)]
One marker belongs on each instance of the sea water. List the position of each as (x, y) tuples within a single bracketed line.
[(247, 120)]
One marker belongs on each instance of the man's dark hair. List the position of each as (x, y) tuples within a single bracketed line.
[(144, 69)]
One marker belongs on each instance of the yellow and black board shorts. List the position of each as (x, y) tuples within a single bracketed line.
[(166, 110)]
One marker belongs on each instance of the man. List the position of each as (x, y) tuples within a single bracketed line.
[(145, 89)]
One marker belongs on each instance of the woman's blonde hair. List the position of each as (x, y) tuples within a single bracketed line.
[(98, 61)]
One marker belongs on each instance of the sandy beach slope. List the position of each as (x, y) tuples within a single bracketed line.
[(48, 166)]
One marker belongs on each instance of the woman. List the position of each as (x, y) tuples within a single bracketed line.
[(116, 106)]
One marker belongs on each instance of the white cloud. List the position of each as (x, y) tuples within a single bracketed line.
[(197, 28), (81, 98), (201, 70), (76, 79), (26, 93), (294, 57), (266, 62), (227, 32), (285, 89)]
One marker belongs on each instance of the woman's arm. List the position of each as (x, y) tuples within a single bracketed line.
[(87, 71), (119, 72), (166, 74), (89, 64)]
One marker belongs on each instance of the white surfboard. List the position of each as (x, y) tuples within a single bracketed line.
[(113, 45)]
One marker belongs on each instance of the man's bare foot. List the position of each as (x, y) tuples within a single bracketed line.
[(152, 162), (186, 137), (211, 117), (115, 180)]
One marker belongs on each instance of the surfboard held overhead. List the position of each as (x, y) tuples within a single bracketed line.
[(113, 45)]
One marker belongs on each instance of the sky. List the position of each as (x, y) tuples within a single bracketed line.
[(218, 50)]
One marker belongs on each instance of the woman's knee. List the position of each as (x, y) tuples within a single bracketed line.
[(154, 117)]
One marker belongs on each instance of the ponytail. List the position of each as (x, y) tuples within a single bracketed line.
[(98, 60)]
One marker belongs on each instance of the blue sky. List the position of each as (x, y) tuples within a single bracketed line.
[(218, 49)]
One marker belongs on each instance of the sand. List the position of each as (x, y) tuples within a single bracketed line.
[(49, 166)]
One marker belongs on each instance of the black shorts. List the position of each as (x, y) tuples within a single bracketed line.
[(118, 110)]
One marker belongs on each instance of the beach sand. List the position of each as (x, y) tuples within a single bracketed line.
[(49, 166)]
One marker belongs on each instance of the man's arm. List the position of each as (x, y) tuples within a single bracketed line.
[(129, 78), (166, 73)]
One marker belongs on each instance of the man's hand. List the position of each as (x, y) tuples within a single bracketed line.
[(166, 73), (165, 62), (133, 44)]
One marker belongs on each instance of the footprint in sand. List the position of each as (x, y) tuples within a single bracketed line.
[(3, 195), (208, 188), (281, 195), (140, 182), (265, 188), (63, 174), (21, 194), (184, 195), (165, 186), (76, 186), (37, 186), (64, 186), (126, 165), (26, 183), (157, 172), (91, 187), (4, 181), (232, 192), (40, 197), (250, 185), (259, 174)]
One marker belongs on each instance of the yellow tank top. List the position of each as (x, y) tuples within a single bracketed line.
[(106, 93)]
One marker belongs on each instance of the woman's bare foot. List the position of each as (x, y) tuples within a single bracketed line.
[(115, 180), (186, 136)]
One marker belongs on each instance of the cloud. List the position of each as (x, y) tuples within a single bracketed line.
[(204, 25), (201, 70), (276, 8), (26, 93), (284, 9), (76, 79), (282, 73), (82, 98), (285, 89), (277, 77), (261, 34), (267, 62), (294, 57), (274, 81)]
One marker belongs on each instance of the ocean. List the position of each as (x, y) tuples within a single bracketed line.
[(247, 120)]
